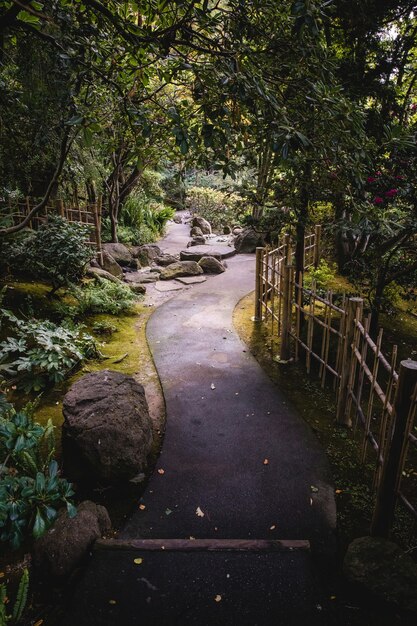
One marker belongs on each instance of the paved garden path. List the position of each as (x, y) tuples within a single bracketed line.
[(237, 464)]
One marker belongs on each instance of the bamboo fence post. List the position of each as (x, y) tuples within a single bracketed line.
[(97, 225), (61, 208), (258, 283), (285, 352), (353, 305), (317, 244), (383, 516)]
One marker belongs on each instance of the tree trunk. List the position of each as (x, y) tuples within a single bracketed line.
[(377, 302)]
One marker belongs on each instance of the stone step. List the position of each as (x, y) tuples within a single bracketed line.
[(210, 545)]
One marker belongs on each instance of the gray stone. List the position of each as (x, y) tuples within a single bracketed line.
[(196, 232), (202, 224), (120, 253), (107, 431), (248, 240), (110, 265), (237, 230), (181, 268), (141, 277), (165, 259), (62, 548), (138, 288), (147, 253), (211, 265), (197, 253), (168, 286), (177, 219), (191, 280), (196, 241), (97, 272), (382, 568)]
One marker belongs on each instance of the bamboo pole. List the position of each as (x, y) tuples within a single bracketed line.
[(317, 244), (258, 290), (285, 352), (385, 417), (353, 305), (375, 370), (383, 516)]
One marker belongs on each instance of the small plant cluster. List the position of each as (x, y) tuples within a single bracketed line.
[(103, 296), (323, 276), (38, 353), (19, 603), (31, 489), (57, 252), (217, 207), (142, 220)]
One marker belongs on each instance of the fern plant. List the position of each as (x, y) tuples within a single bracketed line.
[(19, 604), (103, 296)]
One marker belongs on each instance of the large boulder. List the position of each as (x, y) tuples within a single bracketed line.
[(248, 240), (146, 253), (196, 241), (98, 272), (196, 232), (210, 265), (107, 432), (181, 268), (382, 568), (120, 253), (165, 259), (110, 265), (202, 224), (138, 278), (62, 548)]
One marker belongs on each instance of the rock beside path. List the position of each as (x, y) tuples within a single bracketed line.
[(107, 432), (382, 568), (211, 265), (248, 240), (138, 278), (198, 252), (146, 253), (98, 272), (202, 224), (165, 259), (111, 265), (181, 268), (119, 252), (196, 232), (64, 545)]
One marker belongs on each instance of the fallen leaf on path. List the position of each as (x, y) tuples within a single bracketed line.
[(161, 471), (38, 623), (314, 489), (192, 538), (199, 512), (273, 527), (311, 501), (112, 601), (138, 561), (339, 491), (212, 386), (168, 511), (142, 507), (266, 461), (218, 598)]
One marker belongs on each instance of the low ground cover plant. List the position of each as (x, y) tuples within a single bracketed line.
[(103, 296), (31, 488)]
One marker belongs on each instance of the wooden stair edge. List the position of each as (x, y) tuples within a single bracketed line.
[(204, 545)]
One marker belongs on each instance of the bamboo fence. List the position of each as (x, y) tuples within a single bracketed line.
[(331, 335), (14, 211)]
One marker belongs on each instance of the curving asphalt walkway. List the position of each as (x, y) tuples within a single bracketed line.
[(236, 463)]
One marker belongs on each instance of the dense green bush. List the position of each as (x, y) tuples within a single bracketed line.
[(58, 252), (323, 275), (38, 353), (174, 190), (31, 489), (217, 207), (103, 296)]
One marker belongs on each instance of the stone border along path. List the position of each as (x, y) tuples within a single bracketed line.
[(237, 464)]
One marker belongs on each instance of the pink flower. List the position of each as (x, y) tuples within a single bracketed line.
[(378, 200), (391, 193), (370, 179), (399, 178)]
